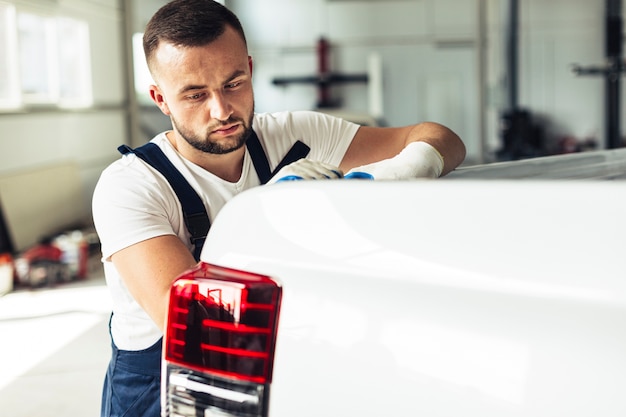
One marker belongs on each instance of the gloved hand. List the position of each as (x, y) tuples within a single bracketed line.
[(417, 160), (306, 169)]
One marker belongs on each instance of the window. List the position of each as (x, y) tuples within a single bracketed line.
[(74, 63), (45, 60), (143, 79), (9, 83), (36, 50)]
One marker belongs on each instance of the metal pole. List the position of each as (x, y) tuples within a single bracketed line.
[(134, 136), (613, 41), (482, 79), (511, 54)]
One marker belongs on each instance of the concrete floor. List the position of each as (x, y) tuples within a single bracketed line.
[(54, 349)]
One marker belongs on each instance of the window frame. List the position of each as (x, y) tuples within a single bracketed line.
[(48, 69)]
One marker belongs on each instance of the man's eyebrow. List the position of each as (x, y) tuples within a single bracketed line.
[(235, 74), (188, 88), (192, 87)]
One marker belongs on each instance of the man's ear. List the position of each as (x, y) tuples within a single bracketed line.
[(250, 63), (159, 99)]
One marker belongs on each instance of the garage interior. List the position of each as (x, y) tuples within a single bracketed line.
[(515, 79)]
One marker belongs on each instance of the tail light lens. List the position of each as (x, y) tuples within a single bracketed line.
[(219, 343)]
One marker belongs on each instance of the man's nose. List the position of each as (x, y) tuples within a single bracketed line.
[(220, 107)]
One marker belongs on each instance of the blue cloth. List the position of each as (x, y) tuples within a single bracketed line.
[(132, 385)]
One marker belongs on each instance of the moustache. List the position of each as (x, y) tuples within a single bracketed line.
[(229, 121)]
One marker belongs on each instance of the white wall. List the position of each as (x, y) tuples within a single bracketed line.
[(431, 58), (37, 138), (428, 56), (555, 35)]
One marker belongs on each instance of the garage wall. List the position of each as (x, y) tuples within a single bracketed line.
[(434, 53), (36, 140), (429, 59), (556, 35)]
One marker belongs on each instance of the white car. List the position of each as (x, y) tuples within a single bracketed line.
[(464, 296)]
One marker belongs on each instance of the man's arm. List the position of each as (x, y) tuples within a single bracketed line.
[(148, 269), (373, 144)]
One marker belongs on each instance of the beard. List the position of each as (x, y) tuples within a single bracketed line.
[(206, 145)]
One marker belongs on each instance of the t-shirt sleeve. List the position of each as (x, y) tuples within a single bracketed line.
[(130, 205), (326, 135)]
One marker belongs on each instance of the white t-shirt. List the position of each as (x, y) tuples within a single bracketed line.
[(132, 202)]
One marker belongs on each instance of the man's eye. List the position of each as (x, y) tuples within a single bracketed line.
[(233, 85), (194, 96)]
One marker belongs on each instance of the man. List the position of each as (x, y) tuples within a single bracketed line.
[(197, 54)]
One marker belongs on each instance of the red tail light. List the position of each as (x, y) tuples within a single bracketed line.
[(219, 342)]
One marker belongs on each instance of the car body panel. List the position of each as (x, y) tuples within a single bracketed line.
[(439, 298)]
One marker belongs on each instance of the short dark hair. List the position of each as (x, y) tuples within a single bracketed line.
[(188, 23)]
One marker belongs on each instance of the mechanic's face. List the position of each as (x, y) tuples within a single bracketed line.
[(207, 92)]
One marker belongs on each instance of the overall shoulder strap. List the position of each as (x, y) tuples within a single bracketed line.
[(259, 159), (196, 217)]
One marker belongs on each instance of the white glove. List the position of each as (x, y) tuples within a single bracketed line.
[(306, 169), (417, 160)]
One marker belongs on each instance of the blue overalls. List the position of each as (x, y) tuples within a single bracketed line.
[(132, 385)]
